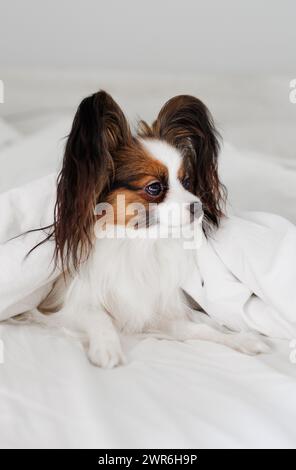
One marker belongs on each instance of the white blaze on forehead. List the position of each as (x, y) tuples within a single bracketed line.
[(173, 210), (165, 153), (172, 158)]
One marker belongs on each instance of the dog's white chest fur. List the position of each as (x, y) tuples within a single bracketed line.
[(138, 281)]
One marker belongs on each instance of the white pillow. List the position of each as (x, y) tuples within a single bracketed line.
[(259, 182), (34, 156)]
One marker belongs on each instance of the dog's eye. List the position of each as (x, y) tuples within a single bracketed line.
[(186, 182), (154, 189)]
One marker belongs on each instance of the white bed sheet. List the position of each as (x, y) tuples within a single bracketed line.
[(195, 394), (169, 395)]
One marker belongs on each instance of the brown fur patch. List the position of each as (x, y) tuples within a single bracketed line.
[(186, 123), (102, 157), (182, 172), (134, 163), (135, 168)]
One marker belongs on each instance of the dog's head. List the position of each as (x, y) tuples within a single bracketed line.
[(169, 169)]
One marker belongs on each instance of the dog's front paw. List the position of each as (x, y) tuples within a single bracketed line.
[(106, 352), (249, 343)]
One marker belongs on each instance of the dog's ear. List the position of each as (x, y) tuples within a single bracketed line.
[(99, 129), (185, 122)]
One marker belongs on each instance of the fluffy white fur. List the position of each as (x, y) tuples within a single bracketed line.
[(133, 285)]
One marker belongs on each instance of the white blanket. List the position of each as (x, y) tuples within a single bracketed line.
[(248, 274), (245, 275), (194, 394)]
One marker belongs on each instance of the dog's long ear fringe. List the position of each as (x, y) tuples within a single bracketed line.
[(98, 129), (184, 121)]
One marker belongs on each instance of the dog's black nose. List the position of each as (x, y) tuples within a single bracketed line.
[(195, 209)]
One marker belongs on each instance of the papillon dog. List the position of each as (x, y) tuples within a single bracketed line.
[(121, 273)]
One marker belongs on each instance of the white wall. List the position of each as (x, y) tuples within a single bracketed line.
[(157, 35)]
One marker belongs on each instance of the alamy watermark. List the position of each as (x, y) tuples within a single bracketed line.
[(150, 221), (292, 95)]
